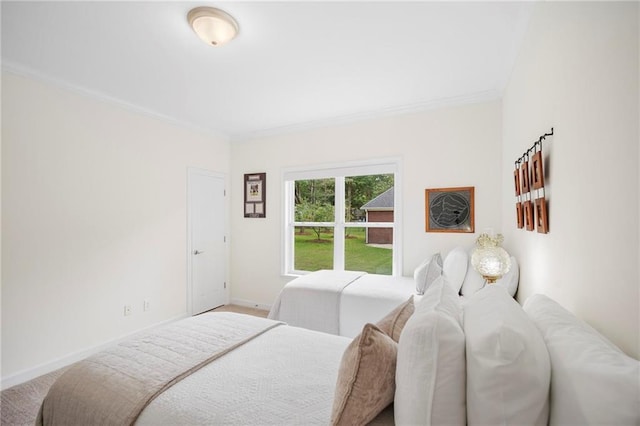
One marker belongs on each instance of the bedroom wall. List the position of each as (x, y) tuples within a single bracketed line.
[(577, 72), (447, 147), (93, 218)]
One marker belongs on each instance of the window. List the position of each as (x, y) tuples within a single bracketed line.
[(342, 217)]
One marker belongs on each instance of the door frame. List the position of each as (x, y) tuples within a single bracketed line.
[(191, 171)]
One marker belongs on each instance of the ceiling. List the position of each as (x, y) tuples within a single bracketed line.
[(293, 65)]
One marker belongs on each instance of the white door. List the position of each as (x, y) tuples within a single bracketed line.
[(207, 251)]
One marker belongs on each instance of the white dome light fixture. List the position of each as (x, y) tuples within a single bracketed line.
[(214, 26)]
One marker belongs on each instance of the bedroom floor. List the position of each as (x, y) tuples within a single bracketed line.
[(19, 404)]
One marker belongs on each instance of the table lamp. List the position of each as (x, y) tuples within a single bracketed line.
[(489, 259)]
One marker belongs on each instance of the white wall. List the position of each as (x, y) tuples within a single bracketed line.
[(577, 71), (442, 148), (93, 218)]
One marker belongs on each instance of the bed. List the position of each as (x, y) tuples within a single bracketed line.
[(224, 368), (340, 302), (278, 386), (197, 389)]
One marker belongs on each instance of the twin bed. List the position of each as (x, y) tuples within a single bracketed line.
[(340, 302)]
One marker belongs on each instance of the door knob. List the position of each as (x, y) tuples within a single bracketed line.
[(198, 252)]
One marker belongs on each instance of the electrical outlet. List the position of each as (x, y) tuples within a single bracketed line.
[(146, 305), (127, 310)]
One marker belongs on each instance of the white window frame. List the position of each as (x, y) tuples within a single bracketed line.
[(339, 172)]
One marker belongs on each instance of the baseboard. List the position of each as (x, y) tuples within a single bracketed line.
[(48, 367), (249, 304)]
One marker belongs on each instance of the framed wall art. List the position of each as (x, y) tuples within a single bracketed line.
[(255, 191), (524, 181), (516, 179), (449, 209), (519, 195), (537, 172), (528, 215), (519, 215), (542, 223), (531, 201)]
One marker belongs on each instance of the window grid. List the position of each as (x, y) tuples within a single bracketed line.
[(339, 224)]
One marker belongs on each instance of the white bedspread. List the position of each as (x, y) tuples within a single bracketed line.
[(313, 301), (370, 298), (286, 376), (340, 302)]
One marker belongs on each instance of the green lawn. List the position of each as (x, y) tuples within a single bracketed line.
[(312, 255)]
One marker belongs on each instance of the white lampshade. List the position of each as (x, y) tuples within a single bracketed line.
[(212, 25), (489, 259)]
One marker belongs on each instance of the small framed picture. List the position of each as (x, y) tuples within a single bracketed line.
[(519, 215), (528, 215), (542, 222), (524, 181), (255, 188), (449, 209), (537, 174)]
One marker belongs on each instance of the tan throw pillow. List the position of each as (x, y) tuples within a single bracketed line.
[(366, 379), (393, 323)]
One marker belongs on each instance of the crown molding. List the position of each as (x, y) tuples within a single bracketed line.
[(422, 106), (417, 107), (24, 71)]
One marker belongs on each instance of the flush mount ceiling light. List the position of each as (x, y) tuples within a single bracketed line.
[(214, 26)]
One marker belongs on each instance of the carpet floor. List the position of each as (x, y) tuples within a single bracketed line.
[(19, 404)]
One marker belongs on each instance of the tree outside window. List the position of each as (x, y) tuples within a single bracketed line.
[(317, 226)]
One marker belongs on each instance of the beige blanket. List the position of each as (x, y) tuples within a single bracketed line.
[(114, 386)]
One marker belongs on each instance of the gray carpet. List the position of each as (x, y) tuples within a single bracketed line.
[(20, 404)]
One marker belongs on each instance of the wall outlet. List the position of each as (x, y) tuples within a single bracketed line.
[(127, 310), (146, 305)]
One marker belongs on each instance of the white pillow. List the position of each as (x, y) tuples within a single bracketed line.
[(508, 369), (592, 381), (454, 268), (473, 281), (510, 279), (427, 272), (430, 369)]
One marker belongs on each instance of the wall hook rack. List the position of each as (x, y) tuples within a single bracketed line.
[(537, 145)]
